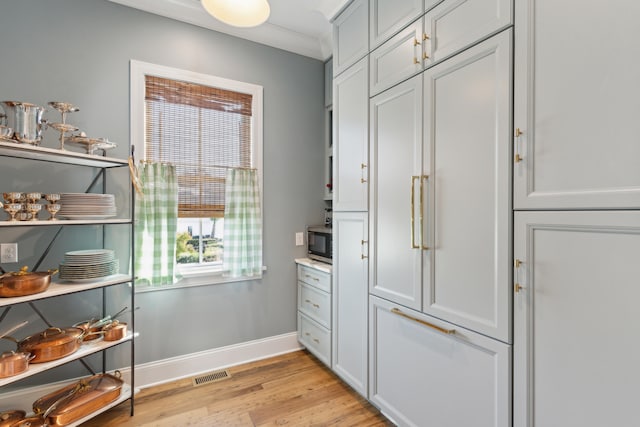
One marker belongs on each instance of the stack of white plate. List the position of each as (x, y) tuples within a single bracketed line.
[(87, 206), (88, 265)]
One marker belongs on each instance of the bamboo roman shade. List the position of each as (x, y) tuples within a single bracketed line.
[(203, 131)]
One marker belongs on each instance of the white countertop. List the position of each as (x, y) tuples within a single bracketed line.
[(322, 266)]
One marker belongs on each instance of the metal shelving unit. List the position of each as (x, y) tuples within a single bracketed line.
[(42, 154)]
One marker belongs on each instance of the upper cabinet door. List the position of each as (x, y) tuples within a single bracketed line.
[(328, 83), (397, 59), (387, 17), (456, 24), (396, 267), (576, 143), (351, 139), (467, 128), (350, 36)]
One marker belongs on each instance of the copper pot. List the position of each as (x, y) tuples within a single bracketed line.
[(21, 283), (51, 344), (12, 363), (9, 418), (32, 421), (115, 331)]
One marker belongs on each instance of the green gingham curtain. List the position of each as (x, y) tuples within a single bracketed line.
[(242, 224), (156, 225)]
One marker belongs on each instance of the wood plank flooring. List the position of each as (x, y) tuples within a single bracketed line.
[(294, 389)]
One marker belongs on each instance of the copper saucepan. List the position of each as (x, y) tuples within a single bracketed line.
[(51, 344), (10, 417), (21, 283), (12, 363)]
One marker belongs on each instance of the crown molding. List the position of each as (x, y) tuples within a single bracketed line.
[(191, 12)]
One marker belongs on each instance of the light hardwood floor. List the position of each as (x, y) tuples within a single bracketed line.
[(294, 389)]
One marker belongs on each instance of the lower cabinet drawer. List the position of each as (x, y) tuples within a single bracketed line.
[(426, 372), (317, 278), (315, 338), (315, 304)]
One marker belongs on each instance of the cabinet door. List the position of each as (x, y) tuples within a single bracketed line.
[(398, 262), (397, 59), (423, 376), (467, 126), (386, 17), (350, 299), (351, 138), (456, 24), (328, 83), (576, 105), (350, 36), (576, 319)]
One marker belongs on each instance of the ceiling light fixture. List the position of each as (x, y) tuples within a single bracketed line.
[(239, 13)]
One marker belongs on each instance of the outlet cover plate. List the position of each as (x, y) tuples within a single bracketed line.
[(8, 252)]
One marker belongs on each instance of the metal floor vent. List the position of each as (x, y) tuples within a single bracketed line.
[(211, 377)]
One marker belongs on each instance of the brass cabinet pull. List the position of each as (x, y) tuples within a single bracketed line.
[(362, 165), (415, 60), (517, 156), (517, 264), (424, 55), (413, 219), (362, 180), (312, 303), (517, 287), (422, 322), (363, 256), (311, 277), (316, 340), (362, 242), (416, 42), (425, 36), (423, 178)]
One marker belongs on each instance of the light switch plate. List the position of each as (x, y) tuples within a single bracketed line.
[(8, 252), (299, 239)]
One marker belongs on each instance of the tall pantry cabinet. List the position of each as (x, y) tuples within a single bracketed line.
[(577, 218), (350, 195)]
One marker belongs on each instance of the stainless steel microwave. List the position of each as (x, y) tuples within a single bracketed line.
[(320, 243)]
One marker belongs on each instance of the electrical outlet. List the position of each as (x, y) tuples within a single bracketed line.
[(8, 252), (299, 239)]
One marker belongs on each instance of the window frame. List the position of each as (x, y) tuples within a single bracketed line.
[(201, 274)]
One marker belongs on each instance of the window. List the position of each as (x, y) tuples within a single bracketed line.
[(203, 125)]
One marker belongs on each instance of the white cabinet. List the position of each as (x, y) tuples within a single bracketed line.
[(425, 372), (350, 35), (399, 264), (328, 82), (350, 259), (314, 308), (576, 105), (397, 59), (467, 122), (576, 318), (386, 17), (456, 24), (351, 138)]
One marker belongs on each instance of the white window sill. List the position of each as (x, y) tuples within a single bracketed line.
[(203, 277)]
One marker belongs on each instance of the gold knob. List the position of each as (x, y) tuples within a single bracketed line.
[(517, 263), (517, 288), (362, 166), (363, 256), (518, 158), (424, 55), (362, 180), (518, 132), (416, 42), (415, 60), (425, 36)]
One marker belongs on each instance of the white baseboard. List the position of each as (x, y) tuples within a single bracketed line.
[(175, 368), (162, 371)]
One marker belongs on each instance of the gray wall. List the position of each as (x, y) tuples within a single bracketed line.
[(79, 51)]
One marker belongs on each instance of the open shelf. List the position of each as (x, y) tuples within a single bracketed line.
[(87, 348), (64, 288), (32, 152), (125, 393), (46, 222)]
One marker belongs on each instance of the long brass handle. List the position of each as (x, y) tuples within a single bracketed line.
[(422, 322), (517, 157), (312, 303), (413, 219), (415, 60), (517, 287), (423, 178), (424, 55), (311, 277)]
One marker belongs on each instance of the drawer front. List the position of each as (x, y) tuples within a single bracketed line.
[(397, 59), (319, 279), (315, 304), (315, 338)]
